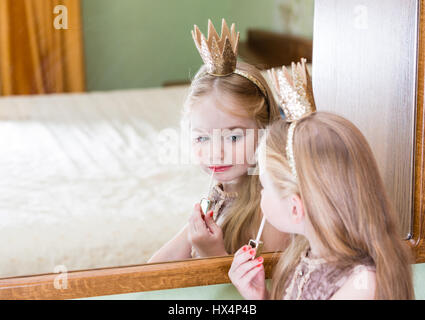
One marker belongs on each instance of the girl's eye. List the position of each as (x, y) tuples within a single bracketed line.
[(234, 138), (201, 139)]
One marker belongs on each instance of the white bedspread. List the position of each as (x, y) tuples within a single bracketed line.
[(80, 182)]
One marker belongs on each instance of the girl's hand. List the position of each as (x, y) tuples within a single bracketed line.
[(205, 235), (248, 275)]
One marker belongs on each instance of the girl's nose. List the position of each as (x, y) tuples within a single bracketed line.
[(216, 150)]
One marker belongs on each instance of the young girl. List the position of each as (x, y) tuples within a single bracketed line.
[(228, 103), (324, 187)]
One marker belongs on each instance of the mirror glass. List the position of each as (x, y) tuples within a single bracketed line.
[(375, 89), (93, 163)]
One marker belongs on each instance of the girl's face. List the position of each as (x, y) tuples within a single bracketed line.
[(284, 213), (221, 141)]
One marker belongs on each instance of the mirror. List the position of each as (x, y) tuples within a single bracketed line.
[(92, 156), (379, 86)]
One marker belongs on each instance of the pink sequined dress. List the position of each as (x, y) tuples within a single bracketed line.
[(315, 279)]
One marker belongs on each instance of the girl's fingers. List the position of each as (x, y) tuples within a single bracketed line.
[(242, 250), (245, 268), (247, 252), (197, 220), (251, 274), (243, 257), (210, 223)]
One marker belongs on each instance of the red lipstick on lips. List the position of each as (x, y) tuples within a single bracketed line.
[(220, 168)]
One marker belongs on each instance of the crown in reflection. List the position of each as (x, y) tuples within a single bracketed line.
[(218, 53), (294, 90)]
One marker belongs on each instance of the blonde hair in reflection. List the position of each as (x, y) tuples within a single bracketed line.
[(344, 199), (244, 217)]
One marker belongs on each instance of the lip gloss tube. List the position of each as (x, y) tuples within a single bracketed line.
[(257, 244), (206, 203)]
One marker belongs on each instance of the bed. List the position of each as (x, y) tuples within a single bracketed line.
[(81, 183)]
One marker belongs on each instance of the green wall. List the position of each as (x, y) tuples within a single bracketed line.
[(294, 17), (419, 281), (144, 43)]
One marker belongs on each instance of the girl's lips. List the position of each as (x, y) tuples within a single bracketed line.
[(220, 168)]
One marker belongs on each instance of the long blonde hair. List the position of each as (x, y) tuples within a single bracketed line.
[(243, 219), (344, 199)]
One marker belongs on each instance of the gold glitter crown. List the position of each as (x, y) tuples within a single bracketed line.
[(295, 91), (218, 53), (296, 99)]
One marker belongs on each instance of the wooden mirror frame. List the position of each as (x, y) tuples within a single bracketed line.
[(201, 272), (417, 242)]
